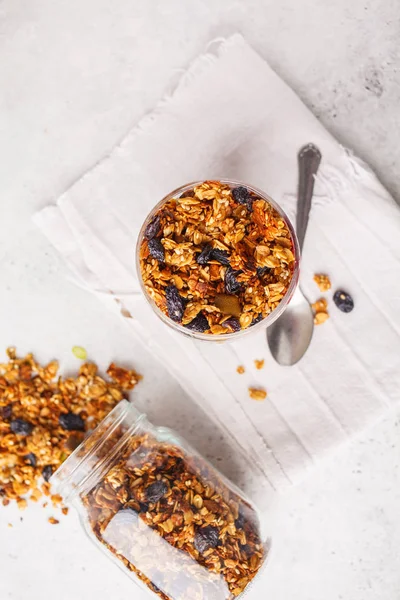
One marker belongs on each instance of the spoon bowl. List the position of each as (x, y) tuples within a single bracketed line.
[(290, 336)]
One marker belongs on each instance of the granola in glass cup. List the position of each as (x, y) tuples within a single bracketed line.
[(217, 259)]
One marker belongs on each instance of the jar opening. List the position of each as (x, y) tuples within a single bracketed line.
[(80, 471)]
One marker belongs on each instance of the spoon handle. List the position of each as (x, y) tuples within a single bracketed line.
[(309, 158)]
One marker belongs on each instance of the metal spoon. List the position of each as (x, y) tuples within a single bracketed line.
[(290, 335)]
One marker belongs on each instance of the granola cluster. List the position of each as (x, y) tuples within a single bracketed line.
[(217, 259), (43, 419), (320, 309), (172, 521)]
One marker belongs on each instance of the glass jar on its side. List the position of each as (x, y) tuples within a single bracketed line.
[(168, 518)]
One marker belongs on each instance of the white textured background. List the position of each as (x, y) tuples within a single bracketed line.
[(74, 77)]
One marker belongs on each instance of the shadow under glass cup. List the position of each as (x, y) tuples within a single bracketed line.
[(264, 323)]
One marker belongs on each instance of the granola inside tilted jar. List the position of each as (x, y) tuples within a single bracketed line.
[(168, 518), (216, 258)]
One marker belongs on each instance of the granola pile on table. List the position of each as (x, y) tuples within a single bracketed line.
[(171, 520), (217, 259), (43, 419)]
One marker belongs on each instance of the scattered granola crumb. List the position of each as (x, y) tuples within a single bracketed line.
[(79, 352), (53, 521), (44, 504), (240, 369), (323, 282), (56, 499), (22, 503), (9, 525), (320, 305), (39, 415), (64, 510), (320, 318), (36, 495), (257, 394), (259, 363), (320, 311), (46, 488)]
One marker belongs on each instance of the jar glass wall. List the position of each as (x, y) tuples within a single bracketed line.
[(169, 518)]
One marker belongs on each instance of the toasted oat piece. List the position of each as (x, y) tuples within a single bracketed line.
[(53, 521), (257, 394), (240, 369), (323, 282), (259, 364)]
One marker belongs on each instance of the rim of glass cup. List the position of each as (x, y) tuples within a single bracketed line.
[(264, 323)]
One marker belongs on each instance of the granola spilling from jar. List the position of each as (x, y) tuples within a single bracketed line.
[(43, 418), (218, 259), (173, 522)]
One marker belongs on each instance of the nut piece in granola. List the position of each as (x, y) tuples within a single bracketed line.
[(257, 394), (320, 305), (323, 282), (218, 259), (320, 311), (320, 318)]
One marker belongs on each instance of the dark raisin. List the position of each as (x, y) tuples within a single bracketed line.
[(156, 491), (257, 319), (156, 249), (261, 271), (71, 422), (152, 228), (47, 472), (232, 285), (242, 196), (233, 323), (187, 194), (30, 459), (247, 550), (155, 588), (73, 441), (21, 427), (343, 301), (205, 255), (199, 324), (6, 412), (206, 538), (221, 256), (175, 303), (239, 521)]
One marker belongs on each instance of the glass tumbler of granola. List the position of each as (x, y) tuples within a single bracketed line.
[(217, 259), (170, 520)]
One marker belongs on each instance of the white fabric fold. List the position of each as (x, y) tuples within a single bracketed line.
[(232, 116)]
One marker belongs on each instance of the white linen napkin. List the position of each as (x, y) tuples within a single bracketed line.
[(232, 116)]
